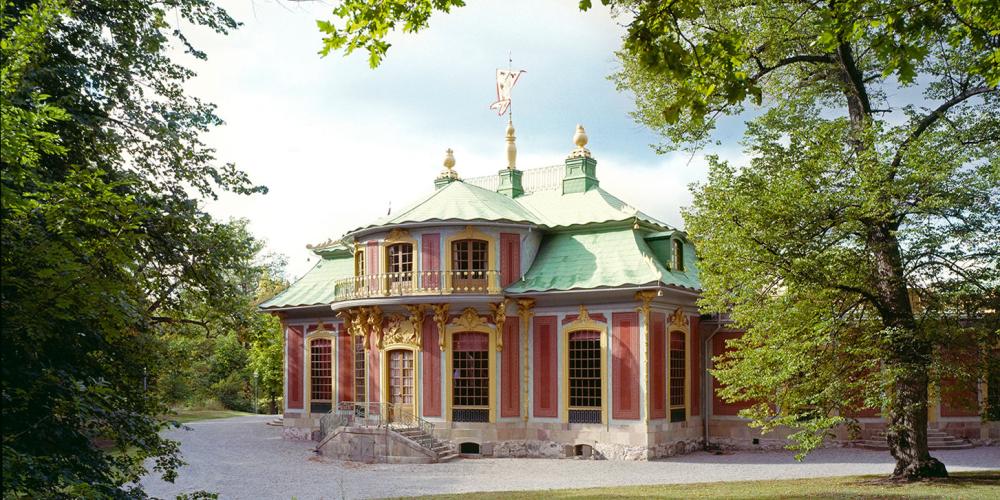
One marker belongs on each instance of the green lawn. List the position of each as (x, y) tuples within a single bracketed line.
[(185, 415), (962, 485)]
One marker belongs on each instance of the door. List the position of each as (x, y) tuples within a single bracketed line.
[(401, 385)]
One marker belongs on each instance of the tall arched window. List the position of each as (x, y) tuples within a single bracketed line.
[(678, 263), (321, 375), (677, 377), (469, 262), (470, 377)]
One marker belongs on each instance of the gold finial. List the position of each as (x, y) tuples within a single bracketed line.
[(511, 147), (580, 139), (449, 164)]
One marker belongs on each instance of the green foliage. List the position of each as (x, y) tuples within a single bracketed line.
[(104, 246), (367, 24)]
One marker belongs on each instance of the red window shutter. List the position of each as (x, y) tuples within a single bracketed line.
[(510, 258), (695, 366), (625, 367), (658, 377), (430, 260), (345, 365), (510, 392), (372, 264), (294, 353), (546, 381), (431, 369), (374, 375)]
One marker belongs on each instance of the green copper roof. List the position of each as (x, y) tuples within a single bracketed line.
[(596, 259), (461, 201), (556, 210), (315, 287)]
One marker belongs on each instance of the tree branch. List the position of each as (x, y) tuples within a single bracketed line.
[(790, 60), (169, 320), (932, 117)]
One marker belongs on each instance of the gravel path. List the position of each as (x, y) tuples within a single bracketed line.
[(244, 458)]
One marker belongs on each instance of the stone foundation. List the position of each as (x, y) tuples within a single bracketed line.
[(297, 433)]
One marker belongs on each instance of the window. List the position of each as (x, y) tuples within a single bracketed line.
[(321, 375), (585, 377), (360, 394), (469, 260), (400, 262), (401, 384), (678, 264), (677, 377), (359, 262), (470, 377)]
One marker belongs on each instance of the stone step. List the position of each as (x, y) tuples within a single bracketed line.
[(881, 445), (448, 457)]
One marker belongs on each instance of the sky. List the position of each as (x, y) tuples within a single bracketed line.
[(337, 143)]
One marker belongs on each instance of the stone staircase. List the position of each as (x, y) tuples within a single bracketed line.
[(443, 450), (936, 440)]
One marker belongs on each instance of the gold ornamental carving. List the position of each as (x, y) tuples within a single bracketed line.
[(398, 234), (416, 320), (375, 324), (499, 318), (679, 320), (441, 318), (584, 322), (470, 320), (399, 330)]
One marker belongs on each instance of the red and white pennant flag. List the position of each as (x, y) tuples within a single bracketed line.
[(505, 82)]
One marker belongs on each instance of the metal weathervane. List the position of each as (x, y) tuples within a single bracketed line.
[(506, 78)]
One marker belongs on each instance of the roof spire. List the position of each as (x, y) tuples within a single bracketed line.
[(511, 147)]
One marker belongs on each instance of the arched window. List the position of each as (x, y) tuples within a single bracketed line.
[(584, 377), (678, 263), (677, 377), (470, 377), (469, 262), (321, 375)]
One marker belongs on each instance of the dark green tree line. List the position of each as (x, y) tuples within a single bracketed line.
[(104, 241)]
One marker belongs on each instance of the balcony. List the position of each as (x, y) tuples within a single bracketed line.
[(417, 283)]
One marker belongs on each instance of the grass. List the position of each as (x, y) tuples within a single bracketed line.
[(961, 485), (185, 415)]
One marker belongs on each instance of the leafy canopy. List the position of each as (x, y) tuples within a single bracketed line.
[(104, 241)]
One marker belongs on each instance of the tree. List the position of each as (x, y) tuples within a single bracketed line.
[(103, 168), (858, 246)]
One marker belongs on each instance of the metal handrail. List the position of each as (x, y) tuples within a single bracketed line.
[(391, 415), (417, 283)]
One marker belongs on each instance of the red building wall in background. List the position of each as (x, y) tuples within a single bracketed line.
[(720, 407), (545, 363), (374, 380), (431, 391), (625, 365)]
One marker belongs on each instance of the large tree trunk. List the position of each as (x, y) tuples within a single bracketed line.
[(907, 363)]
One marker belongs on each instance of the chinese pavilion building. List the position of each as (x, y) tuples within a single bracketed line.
[(530, 313)]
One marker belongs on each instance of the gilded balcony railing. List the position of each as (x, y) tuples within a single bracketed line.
[(417, 283)]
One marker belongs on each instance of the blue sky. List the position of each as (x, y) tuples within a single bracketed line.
[(337, 142)]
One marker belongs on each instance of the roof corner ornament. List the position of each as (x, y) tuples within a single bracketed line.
[(580, 139), (449, 165), (511, 147)]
